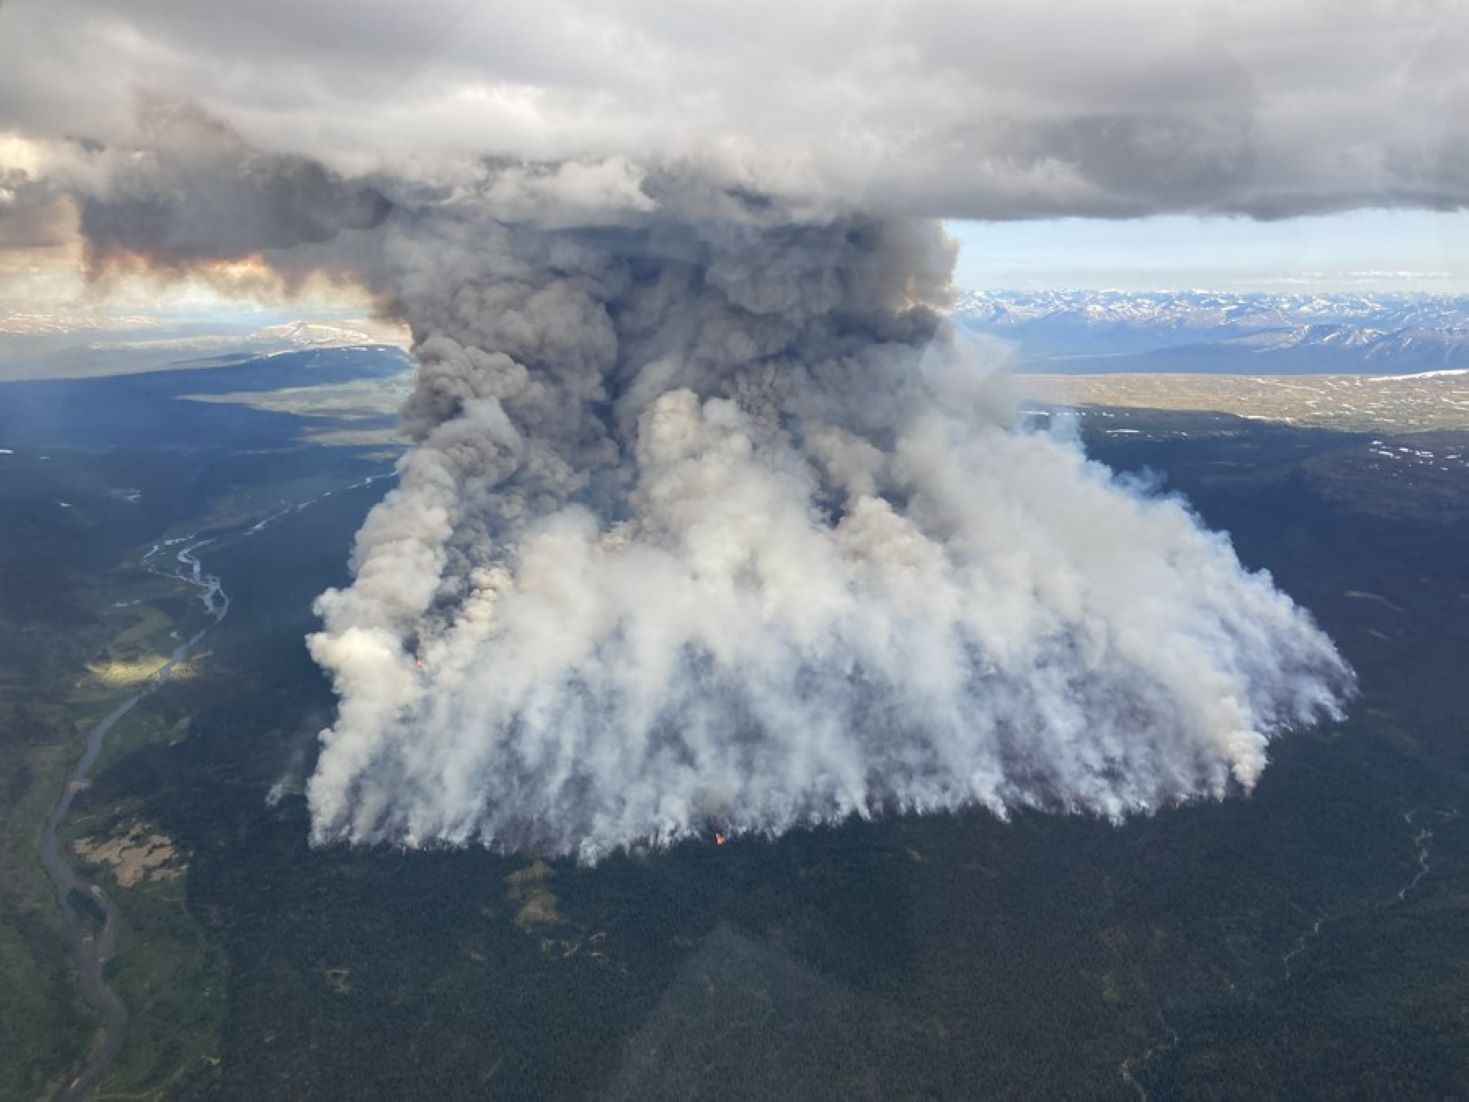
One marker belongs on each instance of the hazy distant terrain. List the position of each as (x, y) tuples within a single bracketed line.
[(72, 345), (236, 401), (1197, 331), (1070, 332)]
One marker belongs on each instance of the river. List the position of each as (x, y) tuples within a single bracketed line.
[(94, 950)]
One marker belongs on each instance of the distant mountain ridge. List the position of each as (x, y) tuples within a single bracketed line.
[(41, 345), (1223, 333)]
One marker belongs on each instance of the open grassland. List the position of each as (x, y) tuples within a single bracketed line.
[(1346, 403), (350, 414)]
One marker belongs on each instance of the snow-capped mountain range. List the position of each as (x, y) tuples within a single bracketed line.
[(1220, 332)]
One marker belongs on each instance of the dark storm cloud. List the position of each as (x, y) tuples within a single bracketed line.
[(196, 192)]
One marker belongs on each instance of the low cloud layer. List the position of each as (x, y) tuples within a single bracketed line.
[(1013, 108)]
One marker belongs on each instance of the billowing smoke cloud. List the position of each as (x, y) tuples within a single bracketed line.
[(712, 521)]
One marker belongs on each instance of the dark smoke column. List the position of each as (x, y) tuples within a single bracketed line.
[(711, 517)]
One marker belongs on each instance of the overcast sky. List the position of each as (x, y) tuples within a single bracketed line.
[(1046, 121)]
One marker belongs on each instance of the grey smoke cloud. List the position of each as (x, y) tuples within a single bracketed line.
[(710, 518), (191, 190), (715, 521)]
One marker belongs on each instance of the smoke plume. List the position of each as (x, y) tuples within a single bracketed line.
[(712, 521)]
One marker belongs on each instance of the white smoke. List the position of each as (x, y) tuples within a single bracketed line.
[(711, 521)]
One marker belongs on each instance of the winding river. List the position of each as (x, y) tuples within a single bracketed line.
[(94, 945)]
